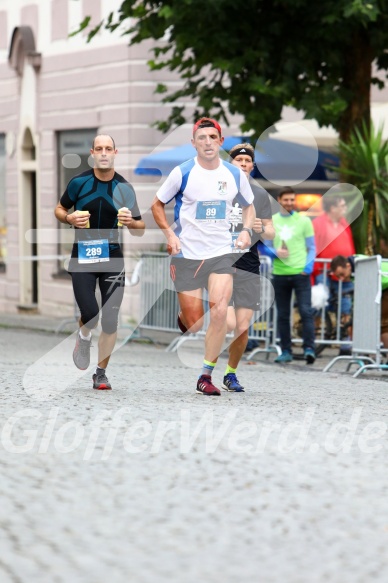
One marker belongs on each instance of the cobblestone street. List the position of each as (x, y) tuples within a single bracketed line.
[(150, 482)]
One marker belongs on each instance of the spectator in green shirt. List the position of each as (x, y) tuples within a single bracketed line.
[(293, 251)]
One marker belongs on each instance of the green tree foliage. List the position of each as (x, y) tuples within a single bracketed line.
[(252, 57)]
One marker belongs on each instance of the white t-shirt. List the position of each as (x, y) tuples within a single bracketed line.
[(203, 206)]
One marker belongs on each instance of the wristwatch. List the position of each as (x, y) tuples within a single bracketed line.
[(248, 231)]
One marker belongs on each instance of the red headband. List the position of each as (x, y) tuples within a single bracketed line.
[(207, 122)]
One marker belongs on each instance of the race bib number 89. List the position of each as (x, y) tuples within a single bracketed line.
[(211, 210), (93, 251)]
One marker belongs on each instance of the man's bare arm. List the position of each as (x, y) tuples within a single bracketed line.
[(269, 229), (76, 219), (244, 240), (159, 214), (248, 216)]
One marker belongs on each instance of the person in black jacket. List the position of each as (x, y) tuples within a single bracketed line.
[(246, 280)]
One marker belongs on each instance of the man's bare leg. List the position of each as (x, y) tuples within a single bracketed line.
[(239, 344), (191, 306), (220, 290), (106, 344), (236, 350), (231, 321)]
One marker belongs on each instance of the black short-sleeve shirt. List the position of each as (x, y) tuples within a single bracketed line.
[(249, 261), (102, 199)]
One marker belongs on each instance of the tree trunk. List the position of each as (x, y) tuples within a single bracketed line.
[(357, 80)]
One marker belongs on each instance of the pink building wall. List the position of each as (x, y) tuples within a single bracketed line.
[(106, 86)]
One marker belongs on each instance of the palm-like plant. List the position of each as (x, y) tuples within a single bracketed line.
[(364, 161)]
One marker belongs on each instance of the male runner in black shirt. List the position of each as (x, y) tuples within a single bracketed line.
[(101, 199)]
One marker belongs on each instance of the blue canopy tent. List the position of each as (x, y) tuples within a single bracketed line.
[(276, 160)]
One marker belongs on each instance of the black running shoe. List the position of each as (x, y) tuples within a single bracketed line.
[(309, 355)]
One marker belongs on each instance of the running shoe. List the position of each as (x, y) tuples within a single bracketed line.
[(231, 384), (206, 387), (181, 325), (81, 353), (309, 355), (284, 357), (101, 383)]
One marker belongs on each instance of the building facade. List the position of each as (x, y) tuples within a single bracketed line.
[(56, 93)]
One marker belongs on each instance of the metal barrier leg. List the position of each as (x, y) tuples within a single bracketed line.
[(359, 360), (179, 340), (369, 367), (336, 359), (273, 348)]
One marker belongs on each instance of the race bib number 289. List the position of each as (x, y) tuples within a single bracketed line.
[(93, 251)]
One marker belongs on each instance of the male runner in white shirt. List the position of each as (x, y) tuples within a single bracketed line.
[(200, 241)]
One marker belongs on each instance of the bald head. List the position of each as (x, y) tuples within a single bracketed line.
[(103, 136)]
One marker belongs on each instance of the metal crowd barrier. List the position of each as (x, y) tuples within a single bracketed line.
[(325, 337), (159, 301), (30, 258), (160, 306), (367, 349), (264, 328)]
